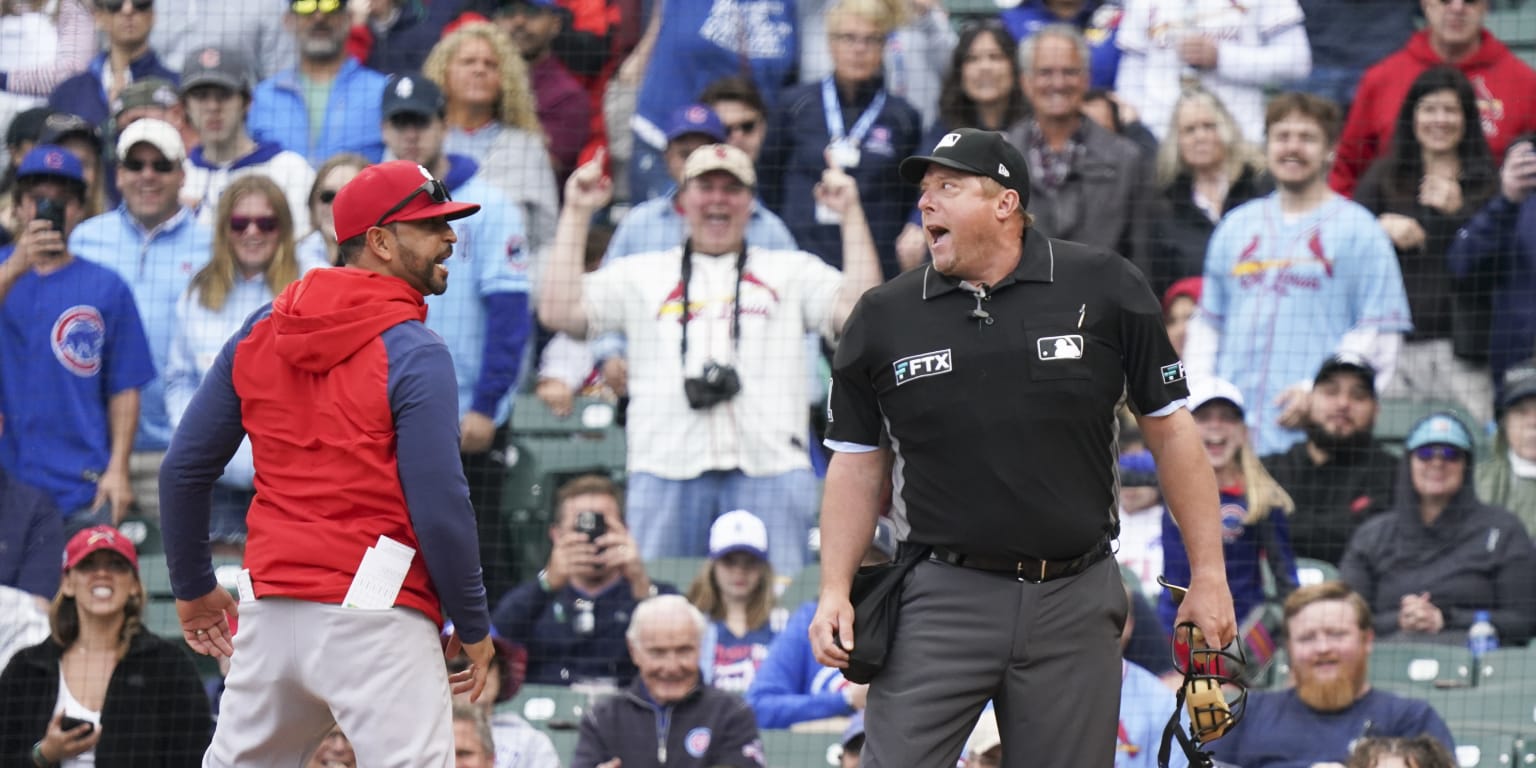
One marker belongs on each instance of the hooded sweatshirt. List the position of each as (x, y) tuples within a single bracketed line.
[(1503, 84), (1473, 557), (351, 407)]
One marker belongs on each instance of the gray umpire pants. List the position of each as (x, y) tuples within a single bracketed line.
[(1047, 654)]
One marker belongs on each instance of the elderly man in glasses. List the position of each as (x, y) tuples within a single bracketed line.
[(155, 244), (284, 107), (362, 539)]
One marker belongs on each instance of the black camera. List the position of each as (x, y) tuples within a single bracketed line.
[(51, 211), (716, 385), (592, 523)]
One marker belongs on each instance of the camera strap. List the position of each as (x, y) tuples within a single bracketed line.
[(687, 277)]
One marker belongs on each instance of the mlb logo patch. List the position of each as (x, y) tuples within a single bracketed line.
[(1068, 347), (1173, 372), (922, 365)]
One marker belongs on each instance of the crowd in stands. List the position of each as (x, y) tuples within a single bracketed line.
[(682, 203)]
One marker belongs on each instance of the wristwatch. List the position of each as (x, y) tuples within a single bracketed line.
[(37, 756)]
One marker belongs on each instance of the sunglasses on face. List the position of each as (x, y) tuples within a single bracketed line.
[(238, 224), (433, 188), (158, 166), (328, 196), (113, 6), (1432, 452), (743, 127), (307, 7)]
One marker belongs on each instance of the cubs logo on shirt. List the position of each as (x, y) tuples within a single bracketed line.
[(1232, 516), (77, 339), (697, 741)]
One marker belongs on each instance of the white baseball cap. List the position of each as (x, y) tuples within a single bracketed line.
[(1206, 389), (156, 133), (738, 531)]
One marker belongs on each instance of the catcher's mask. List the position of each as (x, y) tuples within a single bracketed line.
[(1212, 691)]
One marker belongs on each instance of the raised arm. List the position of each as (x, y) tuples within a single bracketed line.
[(560, 291)]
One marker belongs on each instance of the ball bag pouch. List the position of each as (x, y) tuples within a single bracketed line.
[(876, 598)]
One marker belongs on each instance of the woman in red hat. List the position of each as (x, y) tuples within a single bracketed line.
[(101, 686)]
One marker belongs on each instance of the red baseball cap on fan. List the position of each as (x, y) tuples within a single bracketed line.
[(95, 539), (398, 190)]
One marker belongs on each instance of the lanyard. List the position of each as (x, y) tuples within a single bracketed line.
[(834, 112), (687, 277)]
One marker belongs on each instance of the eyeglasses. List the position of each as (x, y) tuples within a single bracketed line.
[(307, 7), (328, 196), (743, 127), (432, 187), (849, 38), (1432, 452), (158, 166), (113, 6), (238, 224)]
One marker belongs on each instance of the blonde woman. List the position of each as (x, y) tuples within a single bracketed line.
[(254, 259), (1253, 507), (319, 246), (1204, 169), (735, 590), (491, 117)]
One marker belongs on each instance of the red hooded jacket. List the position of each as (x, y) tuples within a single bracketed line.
[(1506, 96)]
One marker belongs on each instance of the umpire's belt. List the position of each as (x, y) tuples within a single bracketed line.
[(1033, 571)]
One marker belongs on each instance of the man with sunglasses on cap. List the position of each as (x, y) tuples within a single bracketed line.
[(128, 58), (156, 245), (362, 538), (996, 372), (484, 315), (74, 354), (329, 103)]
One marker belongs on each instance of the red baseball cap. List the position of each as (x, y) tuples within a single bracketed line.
[(398, 190), (95, 539)]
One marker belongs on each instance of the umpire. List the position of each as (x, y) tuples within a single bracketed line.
[(997, 371)]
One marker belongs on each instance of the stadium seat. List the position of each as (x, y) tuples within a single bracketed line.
[(1313, 571), (1509, 667), (1484, 748), (143, 532), (793, 749), (677, 571), (1413, 668)]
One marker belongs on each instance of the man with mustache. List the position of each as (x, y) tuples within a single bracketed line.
[(1293, 277), (1329, 637), (1340, 475)]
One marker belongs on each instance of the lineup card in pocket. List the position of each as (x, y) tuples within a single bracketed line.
[(379, 575)]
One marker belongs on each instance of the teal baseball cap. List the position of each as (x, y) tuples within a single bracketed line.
[(1439, 429)]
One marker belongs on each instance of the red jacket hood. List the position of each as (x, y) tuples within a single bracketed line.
[(330, 314), (1488, 53)]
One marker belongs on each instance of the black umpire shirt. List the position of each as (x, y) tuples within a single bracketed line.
[(1001, 404)]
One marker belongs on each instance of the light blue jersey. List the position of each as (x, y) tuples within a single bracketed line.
[(490, 258), (157, 265), (1282, 293)]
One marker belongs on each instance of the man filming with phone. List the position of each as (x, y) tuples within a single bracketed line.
[(74, 353), (572, 617)]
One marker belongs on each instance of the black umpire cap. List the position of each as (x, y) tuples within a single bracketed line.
[(969, 150)]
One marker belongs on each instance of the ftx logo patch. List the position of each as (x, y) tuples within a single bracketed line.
[(1173, 372), (922, 365)]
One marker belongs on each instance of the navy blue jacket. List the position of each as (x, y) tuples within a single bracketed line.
[(1500, 240), (85, 96), (557, 654), (793, 160)]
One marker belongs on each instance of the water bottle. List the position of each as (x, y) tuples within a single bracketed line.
[(1481, 638)]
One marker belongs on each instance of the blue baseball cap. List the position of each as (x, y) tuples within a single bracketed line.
[(695, 118), (1439, 429), (51, 161)]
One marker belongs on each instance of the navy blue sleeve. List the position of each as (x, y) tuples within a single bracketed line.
[(44, 545), (508, 324), (423, 397), (520, 609), (209, 435), (1483, 236)]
